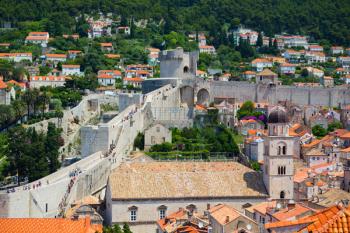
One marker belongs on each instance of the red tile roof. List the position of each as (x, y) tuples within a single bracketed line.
[(48, 225), (3, 85)]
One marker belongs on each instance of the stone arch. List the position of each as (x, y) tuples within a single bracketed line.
[(203, 97), (187, 95), (281, 148), (186, 69)]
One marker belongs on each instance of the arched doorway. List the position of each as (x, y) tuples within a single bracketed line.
[(203, 97), (282, 195), (186, 69), (187, 95)]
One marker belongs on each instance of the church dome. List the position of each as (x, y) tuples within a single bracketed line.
[(277, 115)]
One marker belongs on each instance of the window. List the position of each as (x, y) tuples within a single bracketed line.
[(186, 69), (281, 170), (282, 194), (133, 215), (162, 213), (284, 150)]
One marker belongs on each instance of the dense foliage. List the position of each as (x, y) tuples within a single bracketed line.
[(327, 19), (30, 154), (117, 229)]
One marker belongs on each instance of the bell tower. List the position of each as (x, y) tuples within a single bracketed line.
[(278, 156)]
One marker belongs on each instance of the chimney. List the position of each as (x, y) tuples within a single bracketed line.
[(227, 219), (208, 206)]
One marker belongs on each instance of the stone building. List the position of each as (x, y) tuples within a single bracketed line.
[(156, 134), (141, 193), (278, 158), (267, 77), (177, 63)]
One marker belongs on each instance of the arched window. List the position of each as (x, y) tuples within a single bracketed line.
[(192, 208), (279, 170), (279, 150), (186, 69), (284, 150), (282, 195)]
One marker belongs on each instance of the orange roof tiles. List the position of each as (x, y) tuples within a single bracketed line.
[(45, 225), (224, 214), (112, 56), (74, 51), (312, 144), (346, 150), (249, 72), (52, 55), (70, 66), (260, 60), (3, 85), (181, 214), (106, 44), (263, 207), (345, 136), (47, 78), (294, 212), (300, 175), (14, 82)]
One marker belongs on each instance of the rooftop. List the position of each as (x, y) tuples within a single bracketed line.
[(160, 180)]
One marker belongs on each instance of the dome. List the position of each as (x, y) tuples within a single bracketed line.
[(277, 115)]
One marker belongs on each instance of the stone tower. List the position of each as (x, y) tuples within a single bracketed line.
[(177, 63), (278, 156)]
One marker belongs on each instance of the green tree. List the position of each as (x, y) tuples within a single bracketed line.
[(319, 131), (126, 228), (139, 141), (334, 125), (247, 109), (259, 41)]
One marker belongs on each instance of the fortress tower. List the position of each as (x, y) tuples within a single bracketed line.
[(278, 156), (177, 63)]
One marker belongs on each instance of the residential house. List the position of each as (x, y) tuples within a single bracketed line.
[(261, 63), (347, 51), (106, 47), (336, 50), (315, 157), (315, 57), (327, 81), (153, 56), (41, 38), (5, 45), (202, 40), (249, 75), (267, 77), (135, 82), (254, 148), (207, 49), (314, 72), (287, 69), (201, 74), (17, 85), (245, 125), (224, 218), (226, 113), (344, 61), (123, 30), (99, 28), (346, 79), (68, 70), (72, 54), (315, 48), (53, 72), (53, 225), (52, 81), (294, 41), (342, 72), (17, 57), (108, 77), (294, 56), (156, 134), (245, 34), (274, 59), (56, 58), (6, 93)]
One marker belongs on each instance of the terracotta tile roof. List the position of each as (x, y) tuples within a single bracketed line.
[(45, 225), (172, 218), (3, 85), (71, 66), (346, 150), (262, 207), (48, 78), (260, 60), (312, 144), (14, 82), (51, 55), (200, 107), (301, 175), (36, 38), (287, 65), (249, 72), (315, 152), (224, 214), (193, 179), (74, 51), (106, 44), (294, 212), (112, 56), (297, 127), (345, 136), (266, 72)]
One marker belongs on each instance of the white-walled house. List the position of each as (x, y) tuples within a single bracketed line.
[(52, 81), (56, 58), (71, 70), (17, 57), (41, 38), (207, 49), (260, 63), (108, 77), (157, 134), (135, 82), (287, 68)]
